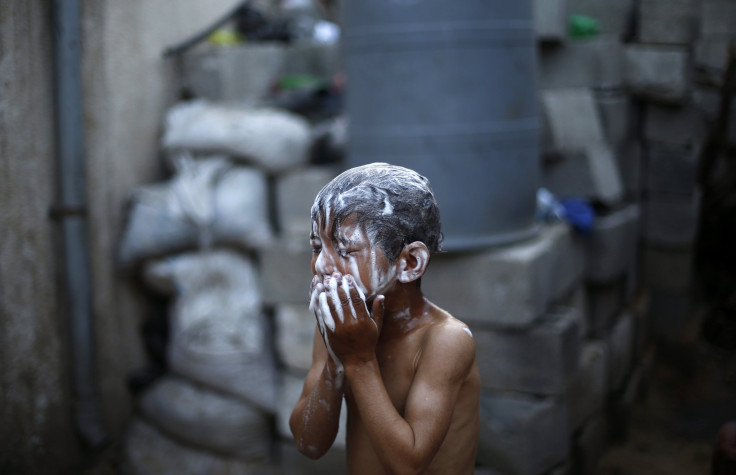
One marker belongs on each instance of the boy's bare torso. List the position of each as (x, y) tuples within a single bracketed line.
[(400, 358)]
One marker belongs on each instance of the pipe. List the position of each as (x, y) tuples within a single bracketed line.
[(72, 212)]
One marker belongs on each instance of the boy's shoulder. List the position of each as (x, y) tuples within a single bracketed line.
[(448, 333)]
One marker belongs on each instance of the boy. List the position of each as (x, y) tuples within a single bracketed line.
[(405, 367)]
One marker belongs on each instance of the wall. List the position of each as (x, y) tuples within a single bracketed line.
[(127, 87), (33, 395)]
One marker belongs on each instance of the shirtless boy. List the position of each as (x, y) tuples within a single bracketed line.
[(405, 367)]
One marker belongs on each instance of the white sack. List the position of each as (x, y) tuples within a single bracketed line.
[(207, 201), (207, 419), (272, 139), (149, 452), (218, 334)]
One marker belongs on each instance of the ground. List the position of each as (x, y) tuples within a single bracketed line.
[(691, 393)]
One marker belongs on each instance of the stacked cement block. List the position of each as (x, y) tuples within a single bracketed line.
[(528, 339), (592, 151), (677, 39)]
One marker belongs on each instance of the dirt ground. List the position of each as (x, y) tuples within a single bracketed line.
[(691, 393)]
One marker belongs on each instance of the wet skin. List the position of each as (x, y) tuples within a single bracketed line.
[(406, 368)]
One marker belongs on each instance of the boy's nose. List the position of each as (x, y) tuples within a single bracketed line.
[(325, 264)]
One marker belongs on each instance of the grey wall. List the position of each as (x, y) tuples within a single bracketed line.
[(33, 395), (128, 86)]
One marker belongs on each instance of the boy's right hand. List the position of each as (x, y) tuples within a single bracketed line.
[(349, 329)]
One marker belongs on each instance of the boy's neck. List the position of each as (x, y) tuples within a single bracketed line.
[(405, 307)]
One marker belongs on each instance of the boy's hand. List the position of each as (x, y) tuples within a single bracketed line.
[(349, 329)]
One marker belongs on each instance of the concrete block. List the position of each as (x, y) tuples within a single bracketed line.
[(577, 301), (684, 125), (657, 73), (671, 169), (538, 360), (589, 387), (593, 63), (510, 286), (612, 246), (291, 389), (286, 272), (522, 436), (718, 18), (621, 351), (613, 16), (550, 19), (246, 73), (590, 443), (708, 102), (295, 326), (630, 165), (671, 315), (294, 463), (616, 113), (666, 268), (667, 21), (591, 173), (712, 52), (605, 302), (295, 193), (572, 118), (671, 220)]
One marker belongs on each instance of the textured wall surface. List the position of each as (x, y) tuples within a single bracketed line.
[(34, 404), (127, 86)]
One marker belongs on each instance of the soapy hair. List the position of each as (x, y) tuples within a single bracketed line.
[(395, 206)]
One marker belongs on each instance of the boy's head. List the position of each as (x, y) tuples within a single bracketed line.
[(394, 205)]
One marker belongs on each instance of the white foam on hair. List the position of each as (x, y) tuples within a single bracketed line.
[(327, 209), (388, 209)]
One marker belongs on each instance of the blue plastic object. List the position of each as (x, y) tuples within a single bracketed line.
[(580, 214)]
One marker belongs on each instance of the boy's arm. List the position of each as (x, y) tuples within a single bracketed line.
[(315, 418), (408, 444)]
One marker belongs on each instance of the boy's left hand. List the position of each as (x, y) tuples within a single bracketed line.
[(351, 330)]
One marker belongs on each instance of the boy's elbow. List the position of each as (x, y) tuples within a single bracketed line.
[(310, 451)]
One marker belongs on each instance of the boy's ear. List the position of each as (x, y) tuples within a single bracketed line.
[(414, 259)]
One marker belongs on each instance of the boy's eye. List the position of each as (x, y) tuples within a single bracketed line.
[(316, 249), (343, 253)]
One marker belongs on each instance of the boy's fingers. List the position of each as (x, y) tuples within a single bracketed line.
[(325, 311)]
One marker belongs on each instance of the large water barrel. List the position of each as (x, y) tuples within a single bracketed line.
[(448, 88)]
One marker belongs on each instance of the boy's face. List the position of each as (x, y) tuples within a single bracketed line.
[(351, 252)]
